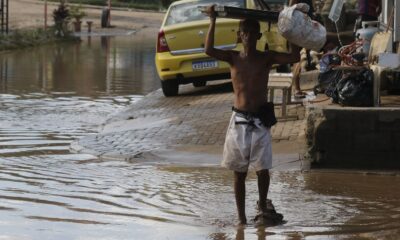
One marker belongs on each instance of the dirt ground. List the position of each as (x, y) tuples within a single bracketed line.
[(30, 13)]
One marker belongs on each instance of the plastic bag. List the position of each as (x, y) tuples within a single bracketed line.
[(327, 82), (329, 60), (298, 28), (356, 89)]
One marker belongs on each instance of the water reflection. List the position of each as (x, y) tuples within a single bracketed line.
[(327, 205), (75, 194), (100, 65)]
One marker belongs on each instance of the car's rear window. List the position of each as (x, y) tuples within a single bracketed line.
[(188, 12)]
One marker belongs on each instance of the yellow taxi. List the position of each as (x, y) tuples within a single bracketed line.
[(180, 57)]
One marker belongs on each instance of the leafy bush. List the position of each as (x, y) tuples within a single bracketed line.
[(61, 16), (31, 37), (77, 13)]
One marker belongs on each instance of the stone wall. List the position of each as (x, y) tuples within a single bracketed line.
[(344, 137)]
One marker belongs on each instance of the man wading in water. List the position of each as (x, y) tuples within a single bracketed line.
[(248, 139)]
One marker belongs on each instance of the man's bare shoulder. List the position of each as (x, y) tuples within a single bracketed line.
[(233, 52)]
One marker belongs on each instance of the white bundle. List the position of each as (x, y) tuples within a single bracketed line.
[(298, 28)]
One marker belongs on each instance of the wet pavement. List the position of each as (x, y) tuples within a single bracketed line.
[(175, 191), (194, 121)]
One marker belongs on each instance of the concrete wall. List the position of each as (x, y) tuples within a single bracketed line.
[(363, 138)]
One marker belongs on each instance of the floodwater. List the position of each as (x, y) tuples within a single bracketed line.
[(52, 95)]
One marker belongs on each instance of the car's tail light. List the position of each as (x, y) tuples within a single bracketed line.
[(162, 45)]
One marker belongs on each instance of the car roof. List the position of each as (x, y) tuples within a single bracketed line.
[(182, 1)]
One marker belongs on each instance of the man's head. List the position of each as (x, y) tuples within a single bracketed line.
[(249, 31)]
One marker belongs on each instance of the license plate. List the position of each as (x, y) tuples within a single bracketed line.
[(202, 65)]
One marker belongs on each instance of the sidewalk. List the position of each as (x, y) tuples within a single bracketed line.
[(30, 14), (193, 124)]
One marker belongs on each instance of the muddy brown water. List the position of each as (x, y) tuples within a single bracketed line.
[(52, 95)]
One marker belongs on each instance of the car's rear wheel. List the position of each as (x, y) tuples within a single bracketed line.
[(284, 68), (199, 83), (170, 87)]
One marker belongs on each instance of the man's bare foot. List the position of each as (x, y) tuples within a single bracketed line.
[(268, 215)]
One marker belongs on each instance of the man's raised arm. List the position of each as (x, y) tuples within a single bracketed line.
[(210, 50), (286, 58)]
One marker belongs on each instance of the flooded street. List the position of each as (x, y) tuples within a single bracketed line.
[(53, 95)]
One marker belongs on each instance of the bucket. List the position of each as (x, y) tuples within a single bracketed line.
[(366, 33)]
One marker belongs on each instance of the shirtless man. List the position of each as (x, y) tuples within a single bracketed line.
[(248, 140)]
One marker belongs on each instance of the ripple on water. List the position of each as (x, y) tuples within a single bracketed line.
[(114, 192), (50, 192)]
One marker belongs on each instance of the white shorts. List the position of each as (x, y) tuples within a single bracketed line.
[(247, 145)]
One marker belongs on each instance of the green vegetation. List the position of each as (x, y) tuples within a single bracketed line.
[(32, 37), (61, 17), (77, 12)]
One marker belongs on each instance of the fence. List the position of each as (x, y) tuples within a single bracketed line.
[(4, 16)]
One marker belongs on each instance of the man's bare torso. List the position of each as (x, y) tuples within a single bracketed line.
[(250, 80), (250, 67)]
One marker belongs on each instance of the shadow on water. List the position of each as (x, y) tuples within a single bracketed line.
[(99, 65)]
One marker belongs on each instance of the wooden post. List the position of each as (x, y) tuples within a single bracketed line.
[(109, 15), (2, 16), (45, 15), (7, 17)]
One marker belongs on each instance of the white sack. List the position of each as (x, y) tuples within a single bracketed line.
[(298, 28)]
